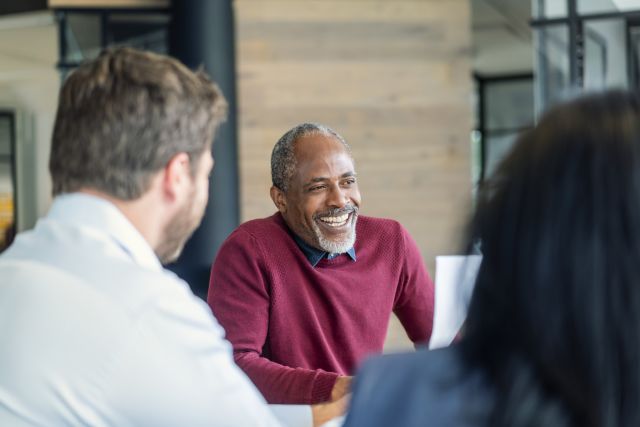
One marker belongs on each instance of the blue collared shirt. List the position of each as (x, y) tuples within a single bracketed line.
[(314, 255)]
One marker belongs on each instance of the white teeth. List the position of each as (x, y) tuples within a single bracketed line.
[(335, 221)]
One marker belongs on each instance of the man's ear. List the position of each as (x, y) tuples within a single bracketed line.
[(279, 199), (177, 175)]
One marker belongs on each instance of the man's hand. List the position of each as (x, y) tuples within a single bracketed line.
[(337, 406), (324, 412), (341, 387)]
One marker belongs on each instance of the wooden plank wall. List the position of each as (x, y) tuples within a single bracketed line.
[(393, 77)]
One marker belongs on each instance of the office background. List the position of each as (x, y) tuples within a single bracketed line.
[(429, 93)]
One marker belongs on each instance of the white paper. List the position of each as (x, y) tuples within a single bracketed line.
[(336, 422), (293, 415), (455, 277)]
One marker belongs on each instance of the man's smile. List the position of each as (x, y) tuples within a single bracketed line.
[(335, 221)]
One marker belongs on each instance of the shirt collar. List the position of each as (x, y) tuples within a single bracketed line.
[(99, 216), (314, 255)]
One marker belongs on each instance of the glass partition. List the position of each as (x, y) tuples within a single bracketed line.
[(605, 56), (584, 45), (603, 6), (552, 65), (505, 110), (86, 32), (546, 9)]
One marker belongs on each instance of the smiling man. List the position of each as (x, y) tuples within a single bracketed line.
[(305, 294)]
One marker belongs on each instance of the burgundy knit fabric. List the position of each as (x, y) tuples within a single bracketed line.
[(294, 327)]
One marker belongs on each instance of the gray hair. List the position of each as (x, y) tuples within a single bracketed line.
[(121, 118), (283, 159)]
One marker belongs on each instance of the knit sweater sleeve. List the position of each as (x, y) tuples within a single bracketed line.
[(414, 303), (239, 296)]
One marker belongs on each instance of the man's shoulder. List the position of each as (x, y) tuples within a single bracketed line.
[(262, 228), (84, 266), (384, 230), (120, 292), (121, 321), (383, 223)]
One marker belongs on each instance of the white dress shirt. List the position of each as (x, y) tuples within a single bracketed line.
[(94, 332)]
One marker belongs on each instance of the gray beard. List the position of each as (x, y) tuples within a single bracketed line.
[(336, 247)]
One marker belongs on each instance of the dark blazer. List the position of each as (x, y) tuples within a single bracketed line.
[(424, 388)]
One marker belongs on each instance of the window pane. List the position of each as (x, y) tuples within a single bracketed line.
[(84, 32), (605, 60), (148, 32), (551, 65), (83, 36), (497, 146), (599, 6), (508, 104), (549, 8), (5, 136)]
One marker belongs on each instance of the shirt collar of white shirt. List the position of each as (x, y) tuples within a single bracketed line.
[(102, 216)]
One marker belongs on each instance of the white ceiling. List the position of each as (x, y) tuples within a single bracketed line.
[(501, 36)]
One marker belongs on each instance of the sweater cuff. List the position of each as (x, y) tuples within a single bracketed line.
[(322, 386)]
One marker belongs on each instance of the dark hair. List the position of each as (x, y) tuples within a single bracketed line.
[(283, 159), (122, 116), (554, 318)]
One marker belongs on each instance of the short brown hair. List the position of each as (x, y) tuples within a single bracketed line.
[(124, 115)]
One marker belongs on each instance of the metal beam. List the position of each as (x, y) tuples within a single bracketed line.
[(10, 7), (202, 34)]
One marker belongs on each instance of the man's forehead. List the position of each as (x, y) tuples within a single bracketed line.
[(317, 146), (318, 157), (323, 168)]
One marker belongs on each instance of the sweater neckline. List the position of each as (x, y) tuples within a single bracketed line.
[(341, 259)]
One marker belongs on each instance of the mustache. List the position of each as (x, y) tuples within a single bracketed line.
[(337, 212)]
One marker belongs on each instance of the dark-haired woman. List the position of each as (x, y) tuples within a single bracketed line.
[(552, 336)]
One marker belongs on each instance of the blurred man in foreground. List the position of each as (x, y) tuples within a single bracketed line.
[(94, 331)]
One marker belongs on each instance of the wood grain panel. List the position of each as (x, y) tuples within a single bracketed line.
[(352, 10)]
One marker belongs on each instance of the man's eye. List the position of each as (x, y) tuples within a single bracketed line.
[(316, 188)]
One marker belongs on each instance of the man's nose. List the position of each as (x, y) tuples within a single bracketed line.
[(338, 197)]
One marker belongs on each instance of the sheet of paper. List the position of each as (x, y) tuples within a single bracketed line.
[(455, 277), (336, 422), (293, 415)]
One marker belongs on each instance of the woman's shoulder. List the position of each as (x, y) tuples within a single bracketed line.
[(409, 389)]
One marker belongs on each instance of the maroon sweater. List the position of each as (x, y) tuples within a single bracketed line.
[(294, 327)]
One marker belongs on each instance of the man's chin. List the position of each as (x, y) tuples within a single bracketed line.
[(337, 246), (168, 257)]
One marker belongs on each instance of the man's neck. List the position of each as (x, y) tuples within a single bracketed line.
[(140, 212)]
